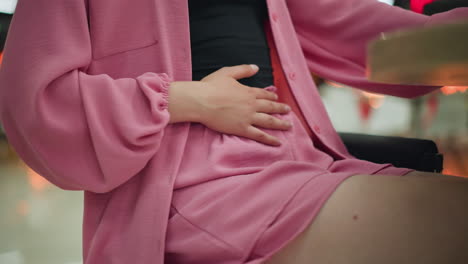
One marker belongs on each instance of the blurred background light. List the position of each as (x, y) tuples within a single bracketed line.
[(390, 2), (7, 6)]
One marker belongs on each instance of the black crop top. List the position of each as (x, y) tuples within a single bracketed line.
[(228, 33)]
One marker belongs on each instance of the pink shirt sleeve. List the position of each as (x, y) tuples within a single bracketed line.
[(334, 35), (81, 132)]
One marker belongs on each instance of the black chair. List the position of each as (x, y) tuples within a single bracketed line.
[(440, 6), (417, 154)]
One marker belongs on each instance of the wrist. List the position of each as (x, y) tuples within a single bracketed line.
[(183, 106)]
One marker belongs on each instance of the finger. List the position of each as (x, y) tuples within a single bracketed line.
[(264, 94), (270, 107), (270, 122), (260, 136), (240, 71)]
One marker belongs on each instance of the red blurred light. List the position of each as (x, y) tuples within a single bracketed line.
[(448, 90)]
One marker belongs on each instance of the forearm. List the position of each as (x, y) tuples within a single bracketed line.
[(81, 131), (335, 46)]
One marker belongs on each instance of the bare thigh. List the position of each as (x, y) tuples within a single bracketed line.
[(417, 218)]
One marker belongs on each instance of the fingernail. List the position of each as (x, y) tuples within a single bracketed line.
[(287, 108), (255, 67)]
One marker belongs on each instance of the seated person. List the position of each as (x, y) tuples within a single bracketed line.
[(189, 126)]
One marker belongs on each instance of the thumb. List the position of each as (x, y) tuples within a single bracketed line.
[(241, 71)]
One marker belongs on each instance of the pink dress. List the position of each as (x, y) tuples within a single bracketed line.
[(273, 193)]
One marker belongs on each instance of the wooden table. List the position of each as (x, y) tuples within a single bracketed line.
[(430, 56)]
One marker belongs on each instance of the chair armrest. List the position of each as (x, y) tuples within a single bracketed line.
[(417, 154)]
